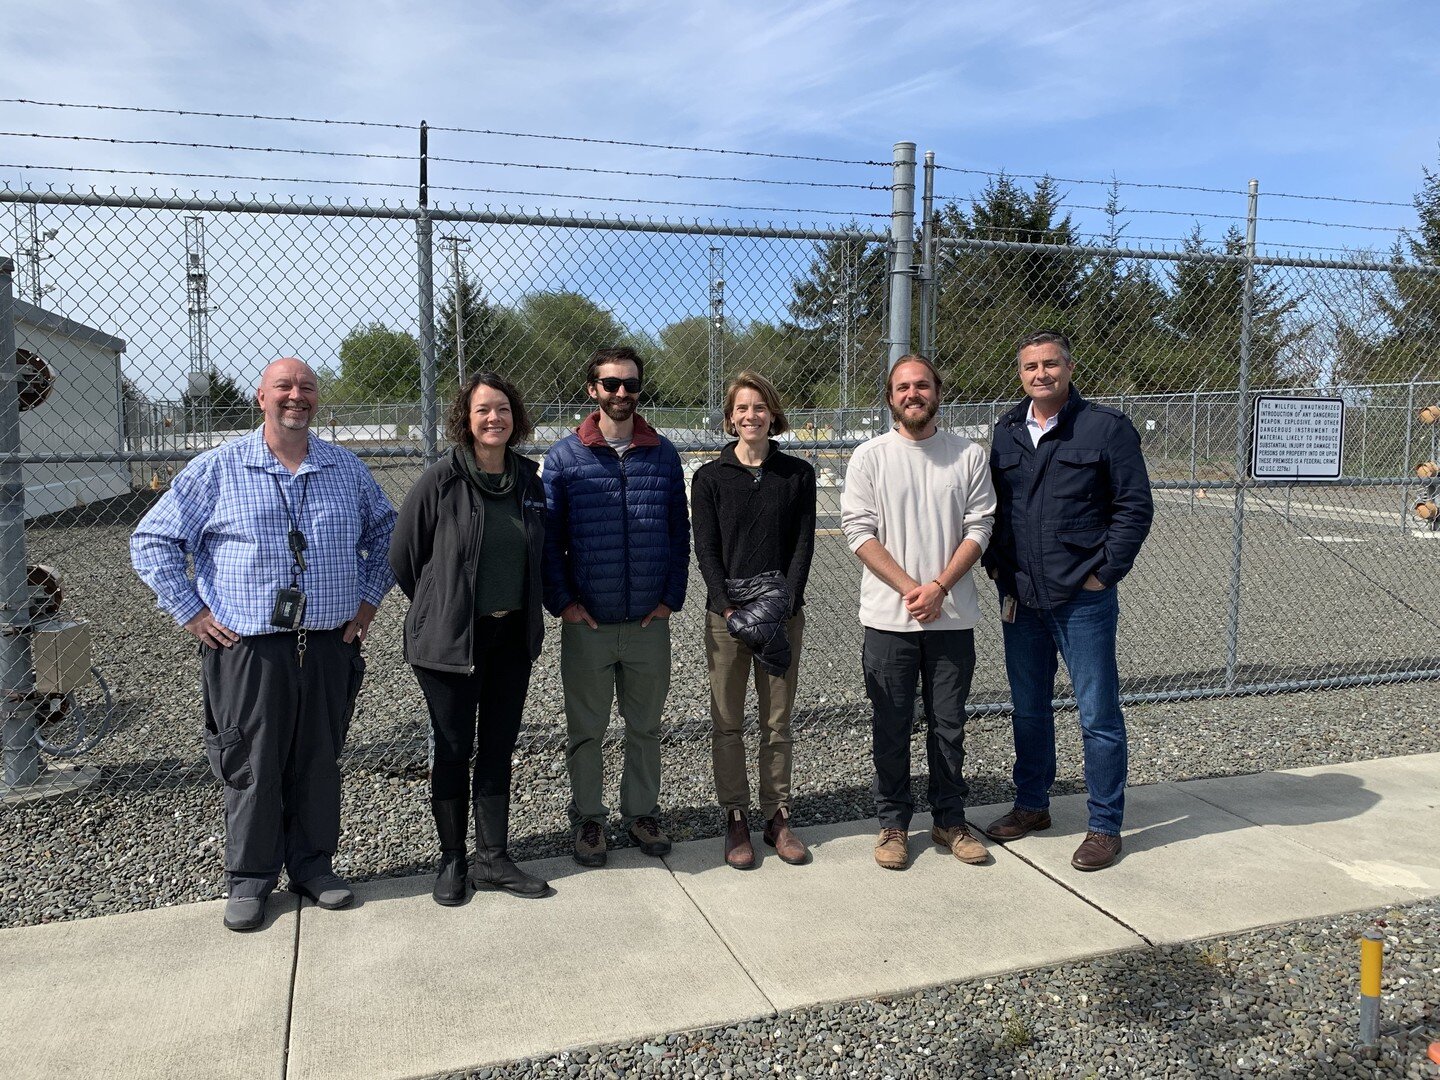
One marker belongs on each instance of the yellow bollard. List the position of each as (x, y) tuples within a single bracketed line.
[(1372, 959)]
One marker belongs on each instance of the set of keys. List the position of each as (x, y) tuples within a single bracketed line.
[(298, 546)]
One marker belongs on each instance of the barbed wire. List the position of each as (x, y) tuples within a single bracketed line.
[(204, 175), (661, 175), (458, 130), (1235, 218), (661, 202), (1145, 185), (447, 160), (200, 112), (664, 146), (208, 146)]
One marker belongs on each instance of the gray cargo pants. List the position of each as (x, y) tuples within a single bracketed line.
[(274, 729)]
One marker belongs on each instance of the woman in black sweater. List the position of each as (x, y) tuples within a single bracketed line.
[(753, 510), (466, 551)]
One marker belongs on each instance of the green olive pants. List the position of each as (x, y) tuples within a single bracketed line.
[(623, 661)]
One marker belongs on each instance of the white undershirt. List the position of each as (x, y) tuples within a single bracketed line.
[(1035, 427)]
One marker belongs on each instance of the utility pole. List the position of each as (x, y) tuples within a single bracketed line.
[(457, 278), (717, 334)]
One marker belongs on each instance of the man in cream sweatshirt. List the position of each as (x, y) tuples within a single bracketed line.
[(917, 510)]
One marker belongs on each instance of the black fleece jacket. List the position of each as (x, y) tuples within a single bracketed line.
[(745, 526), (434, 552)]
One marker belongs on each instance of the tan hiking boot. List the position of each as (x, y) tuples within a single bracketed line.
[(961, 842), (646, 832), (590, 844), (892, 849)]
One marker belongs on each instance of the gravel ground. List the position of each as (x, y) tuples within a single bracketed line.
[(1276, 1003)]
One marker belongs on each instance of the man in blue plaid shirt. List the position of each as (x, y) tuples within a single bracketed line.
[(271, 550)]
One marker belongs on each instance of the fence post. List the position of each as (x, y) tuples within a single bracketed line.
[(927, 260), (902, 244), (1194, 440), (1242, 442), (1405, 462), (17, 675), (424, 240)]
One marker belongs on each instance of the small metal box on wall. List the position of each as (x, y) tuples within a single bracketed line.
[(61, 652)]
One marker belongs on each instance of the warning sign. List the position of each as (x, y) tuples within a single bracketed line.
[(1297, 438)]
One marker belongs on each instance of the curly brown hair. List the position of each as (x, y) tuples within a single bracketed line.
[(457, 420)]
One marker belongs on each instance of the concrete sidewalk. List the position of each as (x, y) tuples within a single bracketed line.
[(398, 987)]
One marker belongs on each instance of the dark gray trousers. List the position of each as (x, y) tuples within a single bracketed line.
[(942, 662), (274, 729)]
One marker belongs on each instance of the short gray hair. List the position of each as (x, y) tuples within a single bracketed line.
[(1044, 337)]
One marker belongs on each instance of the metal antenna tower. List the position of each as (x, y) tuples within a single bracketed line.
[(30, 243), (458, 278), (714, 388), (197, 303)]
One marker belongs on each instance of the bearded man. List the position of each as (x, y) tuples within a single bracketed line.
[(917, 510), (617, 559)]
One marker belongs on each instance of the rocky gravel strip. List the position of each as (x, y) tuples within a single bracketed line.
[(152, 844), (1272, 1003)]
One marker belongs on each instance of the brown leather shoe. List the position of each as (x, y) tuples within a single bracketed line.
[(782, 838), (739, 852), (1097, 851), (1018, 823), (892, 849), (961, 842)]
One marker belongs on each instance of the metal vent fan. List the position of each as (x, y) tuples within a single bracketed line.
[(34, 379)]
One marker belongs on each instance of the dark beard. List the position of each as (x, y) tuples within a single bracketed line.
[(915, 425), (617, 409)]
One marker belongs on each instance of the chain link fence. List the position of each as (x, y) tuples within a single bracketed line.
[(142, 341)]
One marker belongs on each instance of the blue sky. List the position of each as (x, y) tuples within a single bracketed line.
[(1332, 97), (1329, 97)]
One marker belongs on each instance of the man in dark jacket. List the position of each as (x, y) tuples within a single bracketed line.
[(617, 553), (1074, 507)]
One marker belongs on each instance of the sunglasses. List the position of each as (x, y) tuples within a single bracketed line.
[(612, 384)]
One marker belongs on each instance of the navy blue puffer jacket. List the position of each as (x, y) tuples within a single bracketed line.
[(617, 534)]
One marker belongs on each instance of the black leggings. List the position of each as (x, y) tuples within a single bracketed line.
[(479, 713)]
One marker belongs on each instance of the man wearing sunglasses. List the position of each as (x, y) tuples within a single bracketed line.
[(617, 558)]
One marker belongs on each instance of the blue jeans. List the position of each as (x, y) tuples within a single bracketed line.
[(1083, 632)]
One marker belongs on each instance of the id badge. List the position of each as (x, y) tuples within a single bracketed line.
[(1007, 609)]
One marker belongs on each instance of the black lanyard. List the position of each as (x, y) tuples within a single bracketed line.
[(296, 539)]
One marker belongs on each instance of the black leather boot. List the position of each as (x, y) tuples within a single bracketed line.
[(493, 868), (450, 822)]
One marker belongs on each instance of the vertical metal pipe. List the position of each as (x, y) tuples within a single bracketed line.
[(1194, 441), (1372, 961), (1406, 462), (425, 248), (1364, 436), (902, 248), (17, 675), (927, 260), (1242, 441)]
